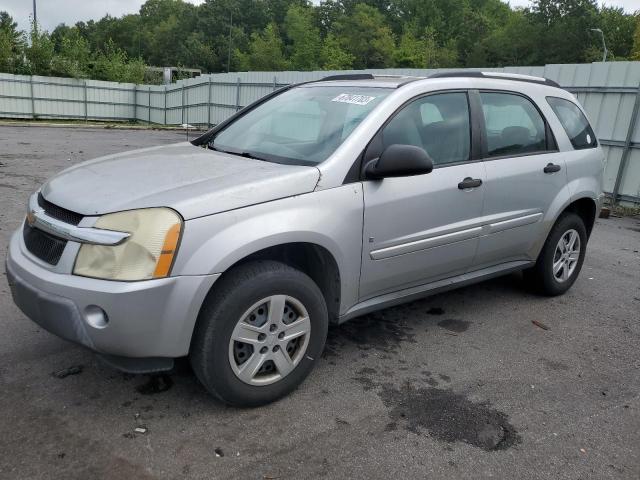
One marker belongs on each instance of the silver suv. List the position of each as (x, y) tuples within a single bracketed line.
[(318, 203)]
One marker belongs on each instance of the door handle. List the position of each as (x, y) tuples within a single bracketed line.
[(551, 168), (469, 183)]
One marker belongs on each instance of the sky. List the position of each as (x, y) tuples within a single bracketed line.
[(53, 12)]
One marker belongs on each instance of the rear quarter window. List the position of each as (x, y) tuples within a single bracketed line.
[(574, 122)]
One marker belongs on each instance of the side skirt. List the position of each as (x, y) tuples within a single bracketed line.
[(421, 291)]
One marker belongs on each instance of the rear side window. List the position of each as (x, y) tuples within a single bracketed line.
[(513, 124), (574, 123)]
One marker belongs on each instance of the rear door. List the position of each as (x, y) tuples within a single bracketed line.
[(525, 174), (423, 228)]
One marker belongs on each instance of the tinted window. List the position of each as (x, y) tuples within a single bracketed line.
[(300, 126), (574, 123), (437, 123), (514, 126)]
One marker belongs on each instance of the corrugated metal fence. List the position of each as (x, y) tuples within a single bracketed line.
[(610, 92)]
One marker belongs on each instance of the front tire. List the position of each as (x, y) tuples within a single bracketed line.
[(561, 258), (260, 333)]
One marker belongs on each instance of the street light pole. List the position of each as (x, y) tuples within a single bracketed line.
[(604, 45)]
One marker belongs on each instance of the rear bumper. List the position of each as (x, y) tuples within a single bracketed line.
[(146, 319)]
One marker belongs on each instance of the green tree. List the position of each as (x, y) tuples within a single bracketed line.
[(566, 25), (411, 51), (73, 56), (618, 29), (39, 53), (635, 50), (266, 51), (334, 57), (11, 45), (306, 45), (366, 36), (514, 43), (114, 65)]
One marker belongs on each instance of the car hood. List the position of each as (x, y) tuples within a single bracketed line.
[(192, 180)]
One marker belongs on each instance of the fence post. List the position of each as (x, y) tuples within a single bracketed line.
[(135, 103), (238, 95), (149, 106), (275, 83), (182, 114), (165, 105), (33, 101), (86, 113), (209, 104), (627, 148)]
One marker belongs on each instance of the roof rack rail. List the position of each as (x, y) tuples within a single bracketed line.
[(348, 76), (498, 75)]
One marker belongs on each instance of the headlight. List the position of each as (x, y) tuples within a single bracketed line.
[(147, 253)]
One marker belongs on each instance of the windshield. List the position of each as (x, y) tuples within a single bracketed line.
[(301, 126)]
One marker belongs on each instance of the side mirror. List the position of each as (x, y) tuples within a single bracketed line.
[(399, 161)]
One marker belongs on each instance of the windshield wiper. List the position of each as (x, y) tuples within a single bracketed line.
[(250, 155)]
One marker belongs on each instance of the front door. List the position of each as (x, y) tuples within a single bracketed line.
[(423, 228)]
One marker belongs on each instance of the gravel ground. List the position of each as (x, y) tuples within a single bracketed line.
[(459, 385)]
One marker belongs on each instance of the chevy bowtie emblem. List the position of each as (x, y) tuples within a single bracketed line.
[(31, 218)]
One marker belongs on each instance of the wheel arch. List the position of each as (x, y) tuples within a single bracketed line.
[(585, 208), (310, 258)]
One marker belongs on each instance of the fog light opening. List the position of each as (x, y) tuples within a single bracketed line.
[(96, 317)]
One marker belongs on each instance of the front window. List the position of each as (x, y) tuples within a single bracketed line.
[(301, 126), (437, 123)]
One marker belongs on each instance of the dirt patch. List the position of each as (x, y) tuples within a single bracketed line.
[(449, 417), (155, 384), (553, 365), (453, 325)]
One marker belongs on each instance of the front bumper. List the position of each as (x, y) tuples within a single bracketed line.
[(146, 319)]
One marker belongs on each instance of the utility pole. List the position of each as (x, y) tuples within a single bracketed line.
[(35, 15), (230, 26), (604, 45)]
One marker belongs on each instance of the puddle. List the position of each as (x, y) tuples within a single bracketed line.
[(453, 325), (449, 417)]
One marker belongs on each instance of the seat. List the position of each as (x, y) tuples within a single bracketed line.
[(515, 137)]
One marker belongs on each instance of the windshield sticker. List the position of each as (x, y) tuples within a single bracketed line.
[(353, 99)]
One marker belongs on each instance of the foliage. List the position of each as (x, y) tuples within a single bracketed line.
[(333, 34), (365, 35), (73, 56), (266, 51), (306, 45), (11, 45), (114, 65), (334, 57)]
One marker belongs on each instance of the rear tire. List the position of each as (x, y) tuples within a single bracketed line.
[(253, 302), (561, 258)]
